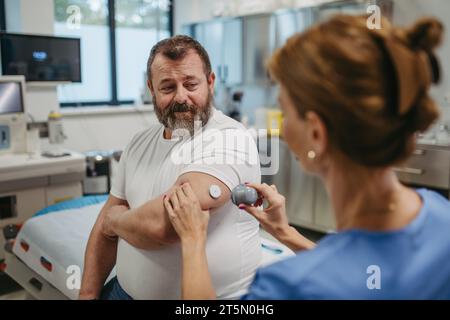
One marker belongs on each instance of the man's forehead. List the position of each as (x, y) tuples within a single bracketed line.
[(191, 64)]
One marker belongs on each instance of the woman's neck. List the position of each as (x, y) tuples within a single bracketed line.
[(370, 199)]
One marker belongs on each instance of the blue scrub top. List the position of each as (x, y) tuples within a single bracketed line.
[(410, 263)]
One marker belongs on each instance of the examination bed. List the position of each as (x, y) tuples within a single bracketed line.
[(46, 256)]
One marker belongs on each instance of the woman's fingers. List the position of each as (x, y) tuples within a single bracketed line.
[(174, 201), (169, 208), (268, 193), (187, 189), (181, 196), (190, 222)]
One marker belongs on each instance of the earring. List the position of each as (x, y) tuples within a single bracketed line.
[(311, 155)]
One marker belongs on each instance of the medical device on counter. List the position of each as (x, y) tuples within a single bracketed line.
[(243, 194), (55, 128), (13, 118), (56, 136)]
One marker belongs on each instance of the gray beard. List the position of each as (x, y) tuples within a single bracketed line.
[(200, 116)]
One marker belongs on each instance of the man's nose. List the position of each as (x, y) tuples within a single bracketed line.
[(181, 95)]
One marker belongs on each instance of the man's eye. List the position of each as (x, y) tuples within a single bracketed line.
[(191, 85), (166, 89)]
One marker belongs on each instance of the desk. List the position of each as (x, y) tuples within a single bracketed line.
[(29, 183)]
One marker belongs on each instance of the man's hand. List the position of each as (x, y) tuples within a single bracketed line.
[(110, 218)]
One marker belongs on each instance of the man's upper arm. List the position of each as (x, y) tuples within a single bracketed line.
[(157, 221), (201, 183)]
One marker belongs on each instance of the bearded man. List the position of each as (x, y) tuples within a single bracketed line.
[(133, 231)]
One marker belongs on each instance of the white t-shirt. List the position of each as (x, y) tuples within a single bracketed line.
[(149, 166)]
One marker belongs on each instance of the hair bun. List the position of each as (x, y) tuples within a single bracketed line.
[(426, 34)]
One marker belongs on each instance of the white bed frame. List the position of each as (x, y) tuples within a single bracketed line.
[(36, 286), (39, 288)]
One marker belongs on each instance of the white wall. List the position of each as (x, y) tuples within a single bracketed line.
[(29, 16), (105, 131), (188, 11)]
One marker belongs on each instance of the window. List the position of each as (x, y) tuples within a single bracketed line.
[(114, 50), (139, 25), (87, 20)]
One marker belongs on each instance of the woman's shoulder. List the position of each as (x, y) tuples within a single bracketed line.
[(434, 200), (436, 207)]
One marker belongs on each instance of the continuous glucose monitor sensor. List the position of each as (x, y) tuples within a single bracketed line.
[(214, 191)]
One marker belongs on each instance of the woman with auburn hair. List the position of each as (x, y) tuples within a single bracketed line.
[(353, 100)]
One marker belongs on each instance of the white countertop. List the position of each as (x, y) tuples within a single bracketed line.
[(22, 166)]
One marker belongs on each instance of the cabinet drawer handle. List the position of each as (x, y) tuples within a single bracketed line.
[(419, 152), (418, 172)]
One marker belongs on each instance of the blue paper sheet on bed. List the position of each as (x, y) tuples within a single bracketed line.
[(72, 204)]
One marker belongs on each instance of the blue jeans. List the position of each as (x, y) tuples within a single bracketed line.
[(113, 291)]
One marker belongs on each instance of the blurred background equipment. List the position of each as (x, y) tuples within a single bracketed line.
[(98, 172), (234, 110), (13, 119)]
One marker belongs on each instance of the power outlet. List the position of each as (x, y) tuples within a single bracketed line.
[(5, 138)]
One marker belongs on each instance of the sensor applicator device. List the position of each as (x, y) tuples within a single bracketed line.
[(243, 194)]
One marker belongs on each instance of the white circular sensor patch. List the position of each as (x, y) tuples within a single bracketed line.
[(214, 191)]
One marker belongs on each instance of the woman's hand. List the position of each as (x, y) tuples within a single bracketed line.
[(274, 219), (191, 223), (187, 217)]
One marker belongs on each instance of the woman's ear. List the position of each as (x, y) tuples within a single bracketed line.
[(317, 132)]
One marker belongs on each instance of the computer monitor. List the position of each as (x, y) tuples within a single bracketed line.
[(12, 95), (41, 58), (13, 117)]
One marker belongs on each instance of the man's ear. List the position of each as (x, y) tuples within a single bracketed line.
[(211, 80), (317, 132), (150, 87)]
